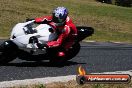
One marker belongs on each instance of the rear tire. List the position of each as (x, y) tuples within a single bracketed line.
[(72, 52), (58, 60)]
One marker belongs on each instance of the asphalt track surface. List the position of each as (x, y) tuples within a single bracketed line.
[(93, 57)]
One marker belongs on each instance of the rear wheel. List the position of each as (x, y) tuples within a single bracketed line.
[(57, 60), (72, 52)]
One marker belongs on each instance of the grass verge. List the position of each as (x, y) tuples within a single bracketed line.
[(73, 84), (111, 23)]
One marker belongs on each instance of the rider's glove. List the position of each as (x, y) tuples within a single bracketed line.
[(38, 21), (29, 19), (53, 44)]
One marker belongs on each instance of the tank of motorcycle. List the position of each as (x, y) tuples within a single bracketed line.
[(20, 38)]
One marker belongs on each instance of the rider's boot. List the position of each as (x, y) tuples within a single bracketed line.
[(61, 54)]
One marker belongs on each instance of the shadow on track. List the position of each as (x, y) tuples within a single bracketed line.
[(42, 64)]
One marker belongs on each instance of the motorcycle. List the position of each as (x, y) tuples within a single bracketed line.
[(25, 36)]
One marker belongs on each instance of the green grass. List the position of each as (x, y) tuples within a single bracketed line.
[(111, 23)]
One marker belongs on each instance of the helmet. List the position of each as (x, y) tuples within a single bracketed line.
[(59, 15)]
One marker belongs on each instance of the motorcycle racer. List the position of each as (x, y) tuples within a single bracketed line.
[(63, 26)]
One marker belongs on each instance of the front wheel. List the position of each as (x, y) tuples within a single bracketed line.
[(8, 52), (6, 57)]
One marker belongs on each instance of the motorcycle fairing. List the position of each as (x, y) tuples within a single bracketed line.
[(21, 38)]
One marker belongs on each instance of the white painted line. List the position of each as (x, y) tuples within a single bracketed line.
[(117, 72), (92, 41), (46, 80), (7, 84)]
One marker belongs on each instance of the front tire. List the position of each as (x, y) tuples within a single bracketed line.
[(6, 57), (8, 52)]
